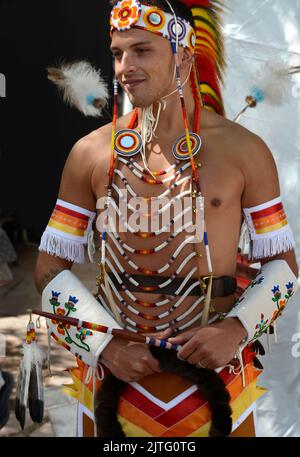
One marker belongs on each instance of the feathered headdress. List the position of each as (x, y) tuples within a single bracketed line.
[(209, 52)]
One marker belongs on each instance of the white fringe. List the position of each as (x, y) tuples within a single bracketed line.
[(63, 248), (244, 242), (269, 340), (268, 247), (275, 332), (241, 370), (49, 351), (91, 246)]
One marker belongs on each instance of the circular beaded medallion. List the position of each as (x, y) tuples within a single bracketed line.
[(192, 39), (180, 148), (175, 29), (125, 14), (128, 142), (154, 19)]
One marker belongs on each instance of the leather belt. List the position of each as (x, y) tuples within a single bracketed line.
[(222, 286)]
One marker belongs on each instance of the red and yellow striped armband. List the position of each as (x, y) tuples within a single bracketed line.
[(269, 230), (68, 232)]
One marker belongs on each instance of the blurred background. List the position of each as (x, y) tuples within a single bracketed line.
[(259, 33), (37, 131)]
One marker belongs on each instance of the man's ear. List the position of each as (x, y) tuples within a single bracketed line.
[(186, 58)]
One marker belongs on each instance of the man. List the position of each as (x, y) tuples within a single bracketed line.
[(237, 171)]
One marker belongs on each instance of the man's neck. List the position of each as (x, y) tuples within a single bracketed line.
[(171, 118)]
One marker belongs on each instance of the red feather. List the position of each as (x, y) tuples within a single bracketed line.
[(200, 3), (209, 50)]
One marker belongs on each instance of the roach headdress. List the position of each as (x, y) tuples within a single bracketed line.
[(209, 51)]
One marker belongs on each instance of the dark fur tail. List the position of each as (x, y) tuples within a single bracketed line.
[(210, 385), (106, 408)]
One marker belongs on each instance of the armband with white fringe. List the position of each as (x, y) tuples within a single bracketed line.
[(268, 229), (265, 299), (66, 296), (68, 232)]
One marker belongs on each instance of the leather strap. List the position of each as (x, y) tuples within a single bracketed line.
[(222, 286)]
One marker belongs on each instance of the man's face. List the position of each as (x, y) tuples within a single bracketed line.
[(144, 65)]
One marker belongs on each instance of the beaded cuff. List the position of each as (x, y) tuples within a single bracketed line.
[(268, 229), (68, 231), (66, 296)]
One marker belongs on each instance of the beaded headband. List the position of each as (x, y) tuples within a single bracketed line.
[(128, 14)]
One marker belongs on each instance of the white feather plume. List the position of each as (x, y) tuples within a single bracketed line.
[(32, 355), (269, 85), (82, 86), (272, 80)]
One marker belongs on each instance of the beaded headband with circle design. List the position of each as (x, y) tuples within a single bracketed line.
[(128, 14)]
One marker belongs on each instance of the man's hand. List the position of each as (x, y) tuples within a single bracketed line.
[(130, 361), (213, 346)]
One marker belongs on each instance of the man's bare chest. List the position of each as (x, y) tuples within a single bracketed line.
[(148, 203), (220, 178)]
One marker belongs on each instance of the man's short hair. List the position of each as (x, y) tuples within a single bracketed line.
[(180, 9)]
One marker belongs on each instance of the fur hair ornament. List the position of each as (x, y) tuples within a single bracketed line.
[(269, 85), (82, 87)]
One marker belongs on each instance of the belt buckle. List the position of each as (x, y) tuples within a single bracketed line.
[(203, 279)]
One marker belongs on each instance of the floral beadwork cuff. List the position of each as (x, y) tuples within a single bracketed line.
[(66, 296), (265, 298)]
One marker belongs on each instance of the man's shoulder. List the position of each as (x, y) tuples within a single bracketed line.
[(251, 155), (98, 141), (239, 142), (89, 158)]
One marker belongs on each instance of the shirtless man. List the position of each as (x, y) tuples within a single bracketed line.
[(238, 171)]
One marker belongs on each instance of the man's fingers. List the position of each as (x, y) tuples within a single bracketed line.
[(181, 339), (196, 357), (188, 348), (153, 364), (165, 334)]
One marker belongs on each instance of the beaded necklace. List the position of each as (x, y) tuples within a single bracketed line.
[(125, 310)]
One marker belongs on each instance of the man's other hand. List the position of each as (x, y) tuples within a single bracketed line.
[(130, 361), (213, 346)]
